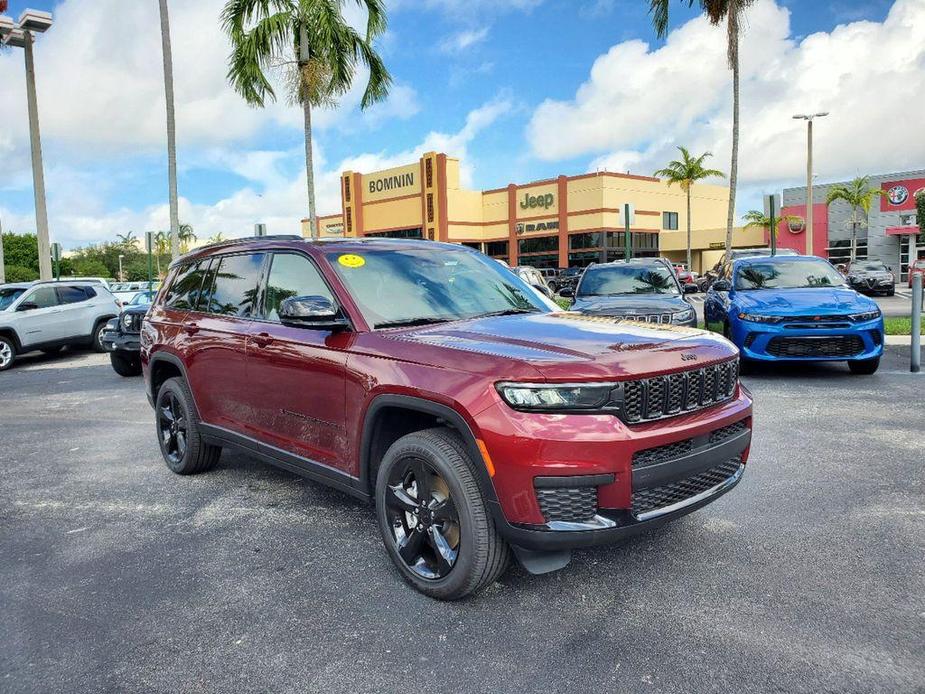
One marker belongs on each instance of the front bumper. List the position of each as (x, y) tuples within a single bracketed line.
[(116, 341), (761, 342), (533, 451), (884, 286)]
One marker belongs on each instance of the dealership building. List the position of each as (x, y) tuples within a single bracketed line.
[(558, 222), (890, 232)]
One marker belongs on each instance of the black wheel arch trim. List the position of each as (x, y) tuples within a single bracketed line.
[(13, 335), (444, 412), (173, 360)]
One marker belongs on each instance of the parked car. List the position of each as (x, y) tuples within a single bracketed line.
[(917, 268), (568, 279), (122, 339), (127, 291), (871, 277), (642, 290), (427, 378), (47, 316), (534, 278), (790, 308), (140, 299)]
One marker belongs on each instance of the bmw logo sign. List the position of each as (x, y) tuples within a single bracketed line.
[(897, 195)]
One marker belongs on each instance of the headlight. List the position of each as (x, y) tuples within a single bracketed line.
[(563, 396), (683, 316), (866, 316), (126, 320), (760, 319)]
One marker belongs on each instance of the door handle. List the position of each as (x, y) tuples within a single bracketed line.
[(262, 339), (190, 328)]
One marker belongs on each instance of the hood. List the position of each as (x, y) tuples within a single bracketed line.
[(630, 304), (823, 301), (566, 345)]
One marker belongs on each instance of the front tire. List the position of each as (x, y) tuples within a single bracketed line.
[(865, 367), (125, 364), (178, 433), (97, 337), (7, 353), (433, 517)]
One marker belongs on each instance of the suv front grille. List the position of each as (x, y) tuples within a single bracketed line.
[(570, 504), (659, 318), (835, 346), (664, 396), (679, 449), (135, 325), (646, 500)]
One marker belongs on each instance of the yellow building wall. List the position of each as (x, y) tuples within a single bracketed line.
[(395, 214), (391, 183), (329, 226), (537, 200)]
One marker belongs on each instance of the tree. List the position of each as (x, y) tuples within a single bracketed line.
[(128, 240), (218, 237), (920, 210), (319, 49), (21, 250), (20, 273), (186, 236), (757, 218), (171, 130), (717, 11), (860, 196), (685, 172)]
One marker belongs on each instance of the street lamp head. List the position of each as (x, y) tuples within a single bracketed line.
[(35, 21), (7, 25), (800, 116), (16, 39), (820, 115)]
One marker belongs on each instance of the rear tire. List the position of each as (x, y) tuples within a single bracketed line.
[(7, 353), (125, 364), (178, 433), (865, 367), (451, 555)]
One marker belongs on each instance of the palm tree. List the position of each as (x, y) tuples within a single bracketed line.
[(321, 51), (218, 237), (685, 171), (757, 218), (161, 247), (717, 11), (171, 131), (127, 240), (186, 236), (860, 196)]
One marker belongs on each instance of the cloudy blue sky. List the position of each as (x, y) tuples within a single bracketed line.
[(519, 89)]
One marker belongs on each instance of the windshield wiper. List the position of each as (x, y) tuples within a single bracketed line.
[(410, 322), (507, 312)]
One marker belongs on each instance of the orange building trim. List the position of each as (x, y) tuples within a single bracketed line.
[(512, 225), (442, 212), (562, 191)]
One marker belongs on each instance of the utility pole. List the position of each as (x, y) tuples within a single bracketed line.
[(171, 134), (809, 175)]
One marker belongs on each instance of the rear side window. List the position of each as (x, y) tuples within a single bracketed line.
[(292, 275), (71, 295), (235, 284), (183, 294)]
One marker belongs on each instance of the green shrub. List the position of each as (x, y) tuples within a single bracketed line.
[(19, 273)]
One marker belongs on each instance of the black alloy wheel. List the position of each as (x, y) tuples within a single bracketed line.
[(423, 519), (172, 427)]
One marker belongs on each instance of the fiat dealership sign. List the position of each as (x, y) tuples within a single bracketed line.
[(900, 195)]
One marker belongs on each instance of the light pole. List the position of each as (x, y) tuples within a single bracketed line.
[(809, 174), (121, 276), (20, 35)]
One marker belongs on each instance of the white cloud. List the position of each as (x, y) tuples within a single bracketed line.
[(467, 7), (638, 103), (457, 43)]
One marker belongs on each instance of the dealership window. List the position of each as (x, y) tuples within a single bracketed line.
[(398, 234), (587, 248), (475, 245), (539, 251), (670, 220), (839, 252), (497, 249)]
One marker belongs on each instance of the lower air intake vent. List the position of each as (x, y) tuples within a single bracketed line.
[(646, 500), (571, 504)]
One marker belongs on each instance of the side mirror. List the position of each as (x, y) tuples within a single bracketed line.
[(690, 288), (311, 312), (721, 286), (27, 306), (567, 293)]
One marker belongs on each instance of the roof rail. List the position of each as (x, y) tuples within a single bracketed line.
[(251, 239)]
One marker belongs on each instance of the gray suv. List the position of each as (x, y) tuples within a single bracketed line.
[(47, 316)]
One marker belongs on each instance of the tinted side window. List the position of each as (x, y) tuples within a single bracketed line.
[(184, 290), (235, 285), (292, 275), (43, 297), (71, 295)]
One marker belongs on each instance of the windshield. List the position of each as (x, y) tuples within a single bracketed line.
[(610, 280), (416, 286), (8, 296), (141, 298), (792, 275), (867, 267)]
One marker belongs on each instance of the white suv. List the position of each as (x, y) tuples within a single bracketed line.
[(49, 315)]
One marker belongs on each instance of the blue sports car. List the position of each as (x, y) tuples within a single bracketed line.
[(795, 308)]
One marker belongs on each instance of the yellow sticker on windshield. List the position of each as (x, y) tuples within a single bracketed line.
[(351, 260)]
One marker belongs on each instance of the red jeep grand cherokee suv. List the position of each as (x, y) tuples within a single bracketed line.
[(431, 380)]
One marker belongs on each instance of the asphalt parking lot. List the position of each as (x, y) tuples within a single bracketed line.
[(117, 575)]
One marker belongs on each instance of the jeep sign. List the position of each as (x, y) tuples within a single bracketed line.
[(544, 201)]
